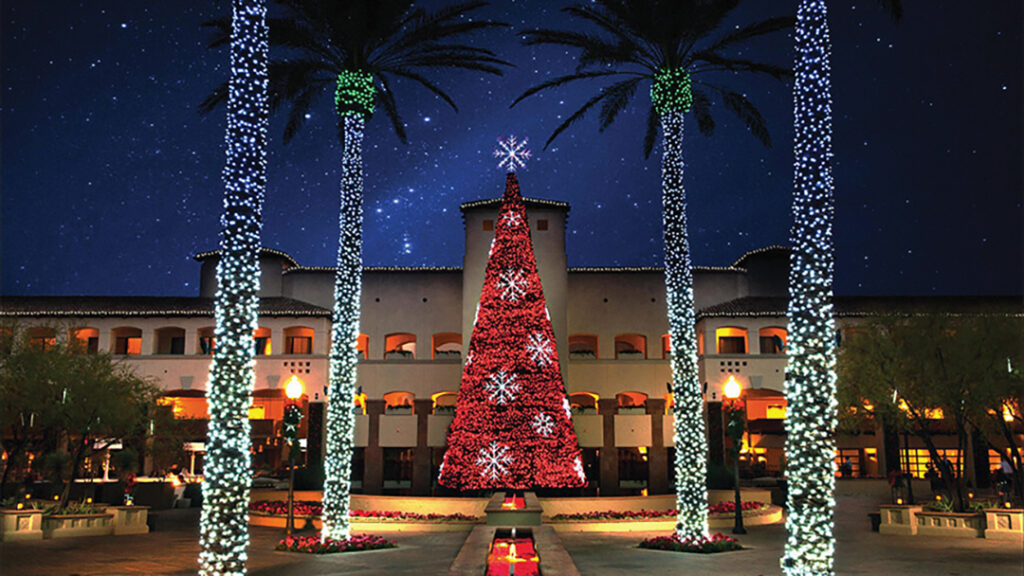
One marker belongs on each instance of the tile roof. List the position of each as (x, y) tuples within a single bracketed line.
[(537, 202), (851, 306), (149, 306), (264, 251)]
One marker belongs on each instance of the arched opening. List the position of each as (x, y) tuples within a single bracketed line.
[(170, 340), (206, 340), (399, 402), (630, 347), (400, 346), (359, 404), (444, 402), (127, 341), (186, 404), (583, 347), (446, 346), (298, 340), (42, 337), (631, 402), (772, 340), (86, 339), (666, 347), (363, 346), (731, 340), (261, 342), (584, 403)]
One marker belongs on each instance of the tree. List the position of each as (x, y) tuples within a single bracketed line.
[(667, 43), (355, 50), (929, 372), (512, 428), (223, 528), (810, 375), (77, 403)]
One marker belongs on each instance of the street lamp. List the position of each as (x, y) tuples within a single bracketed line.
[(735, 426), (292, 417)]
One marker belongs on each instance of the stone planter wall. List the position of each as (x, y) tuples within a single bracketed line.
[(130, 519), (73, 525), (899, 519), (1004, 524), (950, 524), (17, 525)]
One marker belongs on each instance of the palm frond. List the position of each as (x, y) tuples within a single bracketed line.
[(719, 62), (575, 116), (894, 8), (702, 111), (289, 78), (301, 104), (751, 117), (215, 99), (220, 32), (559, 81), (387, 99), (652, 131), (595, 50), (617, 97), (752, 31), (424, 82)]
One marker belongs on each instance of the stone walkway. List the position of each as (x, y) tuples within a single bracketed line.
[(173, 548)]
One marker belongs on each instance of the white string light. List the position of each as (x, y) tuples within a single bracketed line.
[(224, 525), (810, 376)]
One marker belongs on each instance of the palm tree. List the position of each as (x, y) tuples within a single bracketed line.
[(355, 49), (810, 375), (667, 43), (224, 530)]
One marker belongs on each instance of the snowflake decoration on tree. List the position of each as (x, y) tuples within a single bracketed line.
[(513, 154), (567, 408), (512, 285), (512, 219), (501, 387), (543, 424), (469, 358), (494, 459), (578, 467), (539, 349)]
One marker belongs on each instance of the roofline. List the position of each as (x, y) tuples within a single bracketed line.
[(756, 251), (297, 269), (199, 257), (497, 202)]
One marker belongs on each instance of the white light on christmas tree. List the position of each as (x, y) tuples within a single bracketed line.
[(810, 376), (223, 528)]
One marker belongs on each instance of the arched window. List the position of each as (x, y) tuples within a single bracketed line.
[(446, 346), (206, 341), (583, 347), (363, 346), (170, 340), (400, 346), (399, 402), (583, 403), (630, 347), (42, 337), (632, 402), (731, 340), (666, 347), (444, 402), (298, 340), (359, 404), (87, 339), (261, 342), (127, 341), (773, 340)]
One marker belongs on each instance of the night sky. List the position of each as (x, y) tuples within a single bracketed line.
[(111, 179)]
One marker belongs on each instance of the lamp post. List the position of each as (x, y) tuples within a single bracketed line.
[(292, 417), (735, 427)]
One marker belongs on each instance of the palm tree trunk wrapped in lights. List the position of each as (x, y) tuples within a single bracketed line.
[(224, 530), (810, 376)]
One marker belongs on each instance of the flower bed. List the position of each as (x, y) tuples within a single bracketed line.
[(313, 545), (717, 543), (308, 508), (720, 508)]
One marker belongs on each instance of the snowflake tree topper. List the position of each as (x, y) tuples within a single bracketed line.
[(512, 153)]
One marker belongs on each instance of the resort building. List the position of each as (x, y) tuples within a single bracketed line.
[(611, 330)]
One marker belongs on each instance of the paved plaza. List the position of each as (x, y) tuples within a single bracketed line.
[(172, 550)]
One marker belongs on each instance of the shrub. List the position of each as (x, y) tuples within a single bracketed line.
[(717, 543), (313, 545)]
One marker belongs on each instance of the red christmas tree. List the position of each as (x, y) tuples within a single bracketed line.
[(512, 426)]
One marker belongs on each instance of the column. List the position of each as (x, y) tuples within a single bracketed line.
[(421, 480), (373, 459), (609, 451), (657, 454)]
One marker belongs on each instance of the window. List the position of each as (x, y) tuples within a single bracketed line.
[(633, 469), (583, 347), (397, 468), (916, 460), (446, 346), (206, 341), (170, 341), (358, 466), (773, 340), (399, 402), (363, 346), (261, 341), (731, 340), (298, 340), (401, 346), (632, 403), (848, 455), (88, 339), (542, 224), (127, 341), (444, 402), (42, 337), (583, 403), (630, 347), (488, 225)]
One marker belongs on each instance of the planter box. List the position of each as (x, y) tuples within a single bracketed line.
[(73, 525), (529, 515), (17, 525), (367, 524), (1004, 524), (950, 524), (899, 519), (130, 519)]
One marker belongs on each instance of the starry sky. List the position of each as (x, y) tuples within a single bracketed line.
[(111, 179)]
